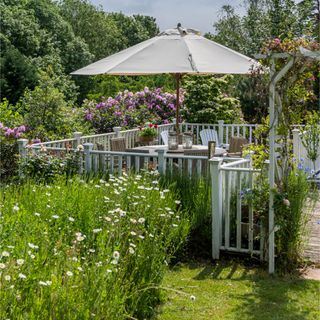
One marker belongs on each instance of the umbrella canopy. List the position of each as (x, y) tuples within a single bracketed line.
[(176, 51)]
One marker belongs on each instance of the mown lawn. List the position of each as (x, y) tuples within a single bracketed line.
[(227, 290)]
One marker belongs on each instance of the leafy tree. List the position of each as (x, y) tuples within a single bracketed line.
[(97, 28), (206, 100), (45, 109), (282, 19), (34, 34)]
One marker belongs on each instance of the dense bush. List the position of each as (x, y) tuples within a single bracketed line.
[(9, 149), (206, 100), (45, 167), (83, 250), (130, 110)]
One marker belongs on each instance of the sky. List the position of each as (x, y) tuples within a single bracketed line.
[(196, 14)]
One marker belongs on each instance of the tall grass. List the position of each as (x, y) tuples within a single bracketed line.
[(194, 192), (83, 250)]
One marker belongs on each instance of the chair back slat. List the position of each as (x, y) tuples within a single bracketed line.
[(207, 135), (118, 144)]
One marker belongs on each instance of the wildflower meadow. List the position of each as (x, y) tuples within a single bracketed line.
[(80, 249)]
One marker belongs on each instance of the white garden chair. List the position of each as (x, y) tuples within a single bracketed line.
[(207, 135), (165, 136)]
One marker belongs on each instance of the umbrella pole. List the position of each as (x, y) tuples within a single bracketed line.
[(178, 77)]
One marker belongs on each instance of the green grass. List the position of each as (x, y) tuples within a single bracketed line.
[(227, 290)]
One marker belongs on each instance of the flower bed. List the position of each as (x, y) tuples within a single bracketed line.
[(86, 249)]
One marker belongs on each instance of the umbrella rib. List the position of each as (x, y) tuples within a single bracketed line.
[(190, 58)]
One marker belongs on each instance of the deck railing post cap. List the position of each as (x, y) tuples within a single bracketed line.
[(88, 146), (115, 129), (22, 141), (220, 121)]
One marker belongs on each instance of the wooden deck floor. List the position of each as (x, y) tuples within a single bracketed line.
[(312, 250)]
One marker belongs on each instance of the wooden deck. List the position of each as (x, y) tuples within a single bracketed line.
[(312, 250)]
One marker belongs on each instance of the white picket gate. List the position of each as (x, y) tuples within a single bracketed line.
[(235, 225)]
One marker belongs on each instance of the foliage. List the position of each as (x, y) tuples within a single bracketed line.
[(10, 114), (291, 219), (44, 167), (110, 86), (63, 243), (207, 101), (148, 131), (276, 19), (46, 110), (311, 138), (9, 147), (130, 110), (34, 33), (195, 195), (8, 160)]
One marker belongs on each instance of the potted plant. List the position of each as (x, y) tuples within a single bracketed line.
[(148, 133)]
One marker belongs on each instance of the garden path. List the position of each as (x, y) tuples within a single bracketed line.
[(312, 250)]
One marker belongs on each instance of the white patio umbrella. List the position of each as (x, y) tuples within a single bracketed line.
[(175, 51)]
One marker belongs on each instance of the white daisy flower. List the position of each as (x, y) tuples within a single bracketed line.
[(42, 283), (69, 274), (71, 219), (32, 246), (55, 216), (7, 278), (2, 266), (20, 262), (141, 220), (15, 208), (5, 254), (22, 276), (116, 255)]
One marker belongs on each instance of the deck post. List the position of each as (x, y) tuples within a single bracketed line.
[(117, 131), (220, 133), (77, 137), (161, 161), (87, 156), (216, 181), (296, 143), (22, 143)]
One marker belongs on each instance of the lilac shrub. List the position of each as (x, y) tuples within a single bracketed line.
[(130, 109), (9, 150), (14, 133)]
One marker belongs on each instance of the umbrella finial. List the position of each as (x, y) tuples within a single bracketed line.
[(182, 31)]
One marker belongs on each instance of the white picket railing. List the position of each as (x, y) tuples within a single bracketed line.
[(116, 162), (235, 225), (102, 141)]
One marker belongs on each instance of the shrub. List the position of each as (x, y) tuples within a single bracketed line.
[(44, 167), (130, 110), (9, 151), (83, 250), (206, 100)]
